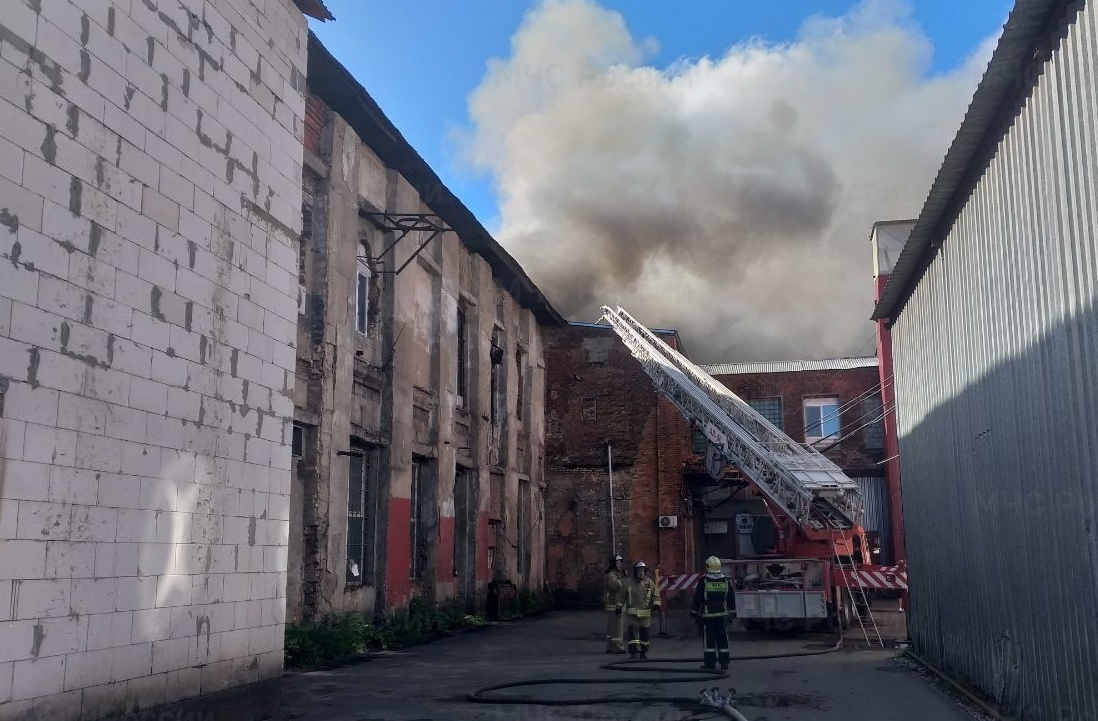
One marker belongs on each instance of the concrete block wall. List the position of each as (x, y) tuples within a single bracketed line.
[(150, 166)]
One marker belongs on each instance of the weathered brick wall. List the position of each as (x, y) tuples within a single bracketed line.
[(850, 386), (598, 394), (149, 194)]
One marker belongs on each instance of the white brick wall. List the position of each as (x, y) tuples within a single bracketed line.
[(136, 563)]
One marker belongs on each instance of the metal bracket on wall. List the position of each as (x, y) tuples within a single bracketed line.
[(404, 223)]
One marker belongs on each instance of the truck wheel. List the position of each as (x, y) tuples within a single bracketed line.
[(750, 624), (846, 612)]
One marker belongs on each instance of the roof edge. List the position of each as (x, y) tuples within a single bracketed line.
[(993, 106), (334, 84)]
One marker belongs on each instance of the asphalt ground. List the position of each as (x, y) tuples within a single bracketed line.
[(433, 681)]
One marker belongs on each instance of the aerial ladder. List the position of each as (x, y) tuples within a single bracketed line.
[(820, 564)]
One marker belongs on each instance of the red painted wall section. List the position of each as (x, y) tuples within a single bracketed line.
[(482, 547), (891, 434), (444, 572), (398, 558)]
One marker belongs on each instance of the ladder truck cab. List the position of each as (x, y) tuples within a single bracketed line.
[(820, 568)]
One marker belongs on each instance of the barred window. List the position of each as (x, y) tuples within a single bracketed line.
[(361, 515), (769, 408)]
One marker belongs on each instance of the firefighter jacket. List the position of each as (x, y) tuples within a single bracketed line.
[(613, 596), (641, 597), (714, 597)]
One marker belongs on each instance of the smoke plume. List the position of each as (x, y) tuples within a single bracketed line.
[(730, 198)]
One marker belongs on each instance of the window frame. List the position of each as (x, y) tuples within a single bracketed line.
[(781, 410), (365, 458), (462, 383), (822, 402), (414, 521), (363, 278)]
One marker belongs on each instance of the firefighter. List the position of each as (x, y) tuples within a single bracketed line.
[(714, 603), (642, 597), (614, 602)]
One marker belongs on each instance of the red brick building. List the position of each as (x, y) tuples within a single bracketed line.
[(833, 404), (602, 410)]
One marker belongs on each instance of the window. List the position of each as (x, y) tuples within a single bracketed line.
[(700, 442), (821, 419), (520, 382), (874, 418), (418, 526), (769, 408), (362, 291), (497, 356), (297, 442), (462, 359), (308, 188), (361, 502), (590, 409), (524, 530)]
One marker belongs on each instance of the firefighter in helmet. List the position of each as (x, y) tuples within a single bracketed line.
[(714, 603), (641, 598), (614, 603)]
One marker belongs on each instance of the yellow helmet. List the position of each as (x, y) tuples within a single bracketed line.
[(713, 564)]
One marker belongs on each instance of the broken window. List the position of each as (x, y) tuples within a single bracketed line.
[(421, 497), (362, 290), (462, 359), (361, 514), (297, 441), (308, 188), (520, 383), (496, 357), (524, 530)]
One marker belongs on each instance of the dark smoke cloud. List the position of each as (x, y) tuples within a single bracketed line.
[(730, 197)]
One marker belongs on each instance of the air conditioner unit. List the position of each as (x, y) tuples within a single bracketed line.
[(669, 521)]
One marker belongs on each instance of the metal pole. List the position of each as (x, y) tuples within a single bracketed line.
[(613, 526)]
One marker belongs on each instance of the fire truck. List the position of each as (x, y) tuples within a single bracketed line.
[(819, 569)]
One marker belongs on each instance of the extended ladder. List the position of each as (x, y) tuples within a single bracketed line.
[(811, 489), (855, 590)]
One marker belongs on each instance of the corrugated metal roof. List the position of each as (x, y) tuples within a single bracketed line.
[(790, 366), (1004, 80)]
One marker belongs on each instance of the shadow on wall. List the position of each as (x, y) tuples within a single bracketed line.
[(1000, 496)]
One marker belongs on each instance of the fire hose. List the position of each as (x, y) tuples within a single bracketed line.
[(710, 697)]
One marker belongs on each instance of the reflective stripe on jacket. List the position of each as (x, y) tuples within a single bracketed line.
[(641, 597), (713, 597)]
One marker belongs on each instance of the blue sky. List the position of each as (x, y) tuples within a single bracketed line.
[(421, 58)]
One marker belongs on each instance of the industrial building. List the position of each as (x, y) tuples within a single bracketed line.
[(419, 397), (993, 319), (150, 175), (616, 451), (835, 406), (613, 443)]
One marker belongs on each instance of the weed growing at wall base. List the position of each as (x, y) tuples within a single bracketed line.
[(345, 636)]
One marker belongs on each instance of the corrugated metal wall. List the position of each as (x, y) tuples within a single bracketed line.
[(875, 492), (997, 384)]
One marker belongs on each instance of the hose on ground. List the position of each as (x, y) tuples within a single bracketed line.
[(484, 695)]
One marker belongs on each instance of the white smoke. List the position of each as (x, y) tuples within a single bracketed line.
[(728, 197)]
